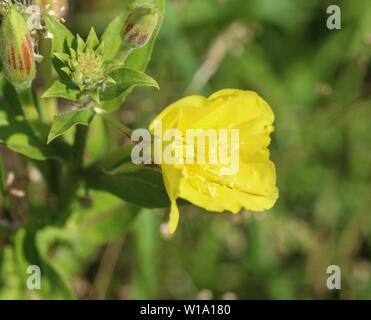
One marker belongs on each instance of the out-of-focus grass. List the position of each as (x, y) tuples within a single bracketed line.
[(319, 86), (318, 83)]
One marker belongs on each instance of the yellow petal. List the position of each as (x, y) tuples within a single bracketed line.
[(174, 217), (188, 105), (226, 93), (172, 178), (252, 189), (232, 111)]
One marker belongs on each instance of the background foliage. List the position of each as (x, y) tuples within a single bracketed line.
[(318, 83)]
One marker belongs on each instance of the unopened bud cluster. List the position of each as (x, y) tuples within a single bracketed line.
[(85, 66), (87, 69), (139, 26)]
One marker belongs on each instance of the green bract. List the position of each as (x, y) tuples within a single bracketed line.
[(85, 66)]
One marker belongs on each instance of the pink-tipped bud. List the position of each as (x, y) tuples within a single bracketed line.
[(56, 8), (17, 49), (139, 26)]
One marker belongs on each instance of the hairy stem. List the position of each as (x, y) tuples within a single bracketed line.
[(114, 122), (124, 53), (72, 179), (31, 113), (45, 67)]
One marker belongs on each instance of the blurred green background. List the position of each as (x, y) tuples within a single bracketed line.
[(318, 83)]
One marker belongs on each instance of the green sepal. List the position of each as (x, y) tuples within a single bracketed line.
[(92, 42)]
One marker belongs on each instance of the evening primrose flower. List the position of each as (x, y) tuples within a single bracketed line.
[(211, 185)]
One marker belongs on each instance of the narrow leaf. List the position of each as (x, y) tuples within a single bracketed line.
[(18, 137), (144, 187), (92, 40), (66, 121), (62, 37), (126, 79), (112, 36), (61, 90)]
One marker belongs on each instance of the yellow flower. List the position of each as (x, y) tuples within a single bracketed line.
[(208, 185)]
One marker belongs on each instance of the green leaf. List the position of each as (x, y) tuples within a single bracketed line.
[(107, 220), (116, 157), (61, 90), (52, 284), (12, 286), (66, 251), (64, 57), (94, 94), (71, 249), (139, 58), (62, 37), (124, 168), (18, 137), (63, 40), (112, 36), (144, 187), (64, 122), (81, 45), (126, 79), (92, 40), (114, 104), (21, 143), (15, 132)]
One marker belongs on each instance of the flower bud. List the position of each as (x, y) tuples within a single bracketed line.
[(139, 26), (17, 49), (56, 8)]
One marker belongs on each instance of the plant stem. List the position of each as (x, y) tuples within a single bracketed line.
[(4, 190), (114, 122), (72, 179), (30, 111), (50, 104), (107, 265), (124, 53)]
